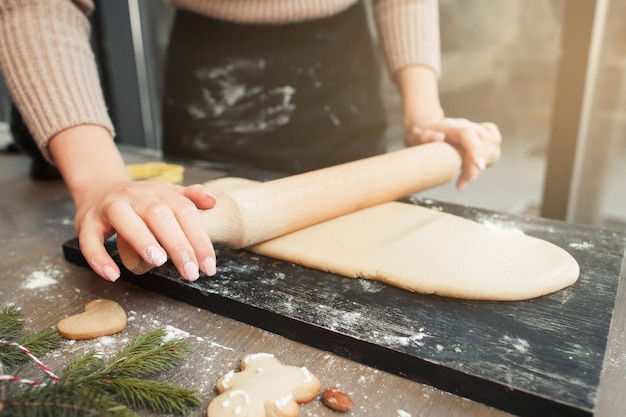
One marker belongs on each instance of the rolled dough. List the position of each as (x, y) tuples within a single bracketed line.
[(425, 251)]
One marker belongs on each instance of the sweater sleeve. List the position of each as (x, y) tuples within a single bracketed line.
[(409, 33), (49, 66)]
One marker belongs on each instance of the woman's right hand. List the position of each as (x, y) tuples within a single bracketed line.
[(157, 219)]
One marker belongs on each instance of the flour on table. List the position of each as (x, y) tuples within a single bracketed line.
[(518, 344), (416, 339), (581, 245), (172, 332), (64, 221), (41, 279)]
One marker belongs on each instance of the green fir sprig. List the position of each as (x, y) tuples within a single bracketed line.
[(40, 343), (92, 386)]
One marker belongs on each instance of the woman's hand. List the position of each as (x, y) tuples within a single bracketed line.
[(479, 142), (155, 218), (424, 121)]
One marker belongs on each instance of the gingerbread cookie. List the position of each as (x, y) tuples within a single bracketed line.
[(264, 387), (100, 318)]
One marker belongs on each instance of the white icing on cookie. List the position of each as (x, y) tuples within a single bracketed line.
[(283, 401), (255, 356), (238, 410), (307, 377), (242, 393), (227, 378)]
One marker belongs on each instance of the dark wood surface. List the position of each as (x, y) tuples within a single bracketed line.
[(36, 219)]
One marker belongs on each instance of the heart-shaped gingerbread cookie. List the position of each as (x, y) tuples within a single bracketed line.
[(100, 318)]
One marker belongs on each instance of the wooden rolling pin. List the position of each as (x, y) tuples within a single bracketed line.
[(251, 215)]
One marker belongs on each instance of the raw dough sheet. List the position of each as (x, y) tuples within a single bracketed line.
[(425, 251)]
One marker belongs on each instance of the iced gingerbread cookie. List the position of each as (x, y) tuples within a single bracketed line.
[(100, 318), (264, 387)]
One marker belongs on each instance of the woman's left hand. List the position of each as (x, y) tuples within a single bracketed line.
[(479, 143), (424, 121)]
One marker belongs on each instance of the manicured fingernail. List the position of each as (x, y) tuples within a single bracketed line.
[(110, 273), (480, 163), (191, 270), (208, 266), (156, 255)]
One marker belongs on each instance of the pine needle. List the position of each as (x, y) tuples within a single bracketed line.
[(147, 355), (86, 365), (156, 396), (42, 342), (12, 322), (38, 344)]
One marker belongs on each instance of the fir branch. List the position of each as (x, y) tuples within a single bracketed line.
[(50, 409), (41, 342), (59, 399), (47, 409), (89, 386), (154, 395), (120, 377), (11, 322), (86, 365), (147, 355)]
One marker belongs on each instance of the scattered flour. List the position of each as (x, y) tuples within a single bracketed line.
[(65, 221), (371, 286), (41, 279), (500, 226), (414, 340), (172, 332), (217, 345), (402, 413), (520, 345), (581, 245)]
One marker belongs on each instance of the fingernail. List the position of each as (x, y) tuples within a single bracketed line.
[(480, 163), (209, 194), (110, 273), (208, 266), (156, 255), (191, 270)]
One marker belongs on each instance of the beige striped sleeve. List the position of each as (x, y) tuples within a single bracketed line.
[(49, 66), (265, 11), (409, 33)]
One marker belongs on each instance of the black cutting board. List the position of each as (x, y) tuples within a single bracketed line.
[(538, 357)]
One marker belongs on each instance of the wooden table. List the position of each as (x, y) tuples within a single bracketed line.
[(36, 218)]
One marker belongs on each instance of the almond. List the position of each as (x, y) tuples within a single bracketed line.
[(337, 400)]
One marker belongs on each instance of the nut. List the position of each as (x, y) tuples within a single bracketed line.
[(337, 400)]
